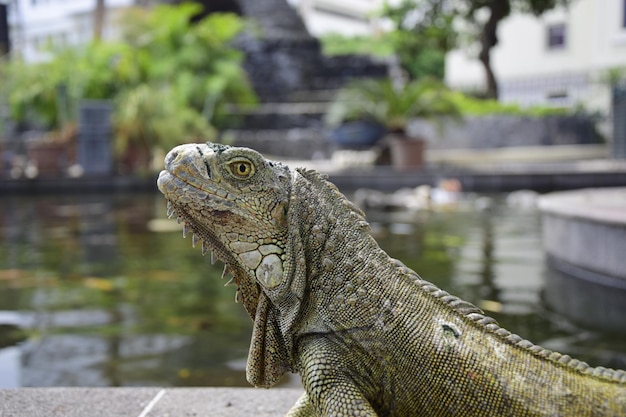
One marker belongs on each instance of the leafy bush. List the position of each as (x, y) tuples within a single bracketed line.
[(479, 107), (418, 60), (393, 106), (145, 115), (337, 44), (423, 32), (170, 80)]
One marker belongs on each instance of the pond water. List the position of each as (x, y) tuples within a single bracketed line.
[(103, 291)]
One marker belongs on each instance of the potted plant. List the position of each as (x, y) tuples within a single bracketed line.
[(393, 106)]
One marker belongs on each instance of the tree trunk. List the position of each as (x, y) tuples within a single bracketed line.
[(499, 9), (98, 20)]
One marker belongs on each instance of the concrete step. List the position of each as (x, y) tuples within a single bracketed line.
[(284, 115), (147, 402), (517, 157), (286, 143)]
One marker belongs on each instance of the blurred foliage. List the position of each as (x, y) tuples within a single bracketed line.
[(613, 76), (144, 114), (337, 44), (423, 33), (394, 105), (171, 80), (469, 105), (391, 105)]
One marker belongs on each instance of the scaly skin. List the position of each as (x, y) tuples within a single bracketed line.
[(368, 336)]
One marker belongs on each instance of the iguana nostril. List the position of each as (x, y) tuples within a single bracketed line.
[(171, 157), (206, 164)]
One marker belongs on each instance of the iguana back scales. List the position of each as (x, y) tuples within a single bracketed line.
[(368, 336)]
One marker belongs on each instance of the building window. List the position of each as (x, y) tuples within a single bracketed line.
[(557, 36)]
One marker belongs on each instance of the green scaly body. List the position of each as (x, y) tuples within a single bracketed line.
[(368, 336)]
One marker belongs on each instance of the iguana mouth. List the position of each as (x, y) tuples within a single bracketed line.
[(199, 234)]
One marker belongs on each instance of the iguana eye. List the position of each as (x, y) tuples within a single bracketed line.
[(241, 168)]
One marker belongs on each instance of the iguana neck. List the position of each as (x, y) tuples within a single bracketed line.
[(330, 255)]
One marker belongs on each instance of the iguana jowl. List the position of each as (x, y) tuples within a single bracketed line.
[(367, 335)]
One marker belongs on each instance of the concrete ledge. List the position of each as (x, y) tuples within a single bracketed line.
[(587, 228), (96, 184), (584, 235), (542, 169), (598, 205), (146, 402), (589, 299)]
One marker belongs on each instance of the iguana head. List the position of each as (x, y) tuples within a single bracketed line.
[(235, 202)]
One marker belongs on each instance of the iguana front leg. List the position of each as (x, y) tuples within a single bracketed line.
[(302, 408), (330, 390)]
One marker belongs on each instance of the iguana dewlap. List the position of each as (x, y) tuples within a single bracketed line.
[(367, 335)]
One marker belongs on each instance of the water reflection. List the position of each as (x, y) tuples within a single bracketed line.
[(106, 302), (94, 292)]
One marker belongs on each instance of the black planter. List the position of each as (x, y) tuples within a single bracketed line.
[(357, 135)]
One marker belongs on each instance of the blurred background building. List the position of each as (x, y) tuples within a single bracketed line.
[(560, 58), (564, 57), (348, 17), (35, 25)]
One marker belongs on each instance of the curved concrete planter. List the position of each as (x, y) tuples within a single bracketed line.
[(584, 235)]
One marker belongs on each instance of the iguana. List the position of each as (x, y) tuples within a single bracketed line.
[(368, 336)]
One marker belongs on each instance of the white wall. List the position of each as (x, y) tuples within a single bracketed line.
[(611, 50), (347, 17), (35, 24), (596, 41)]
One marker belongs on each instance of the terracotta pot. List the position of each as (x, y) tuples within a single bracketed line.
[(50, 158), (407, 153)]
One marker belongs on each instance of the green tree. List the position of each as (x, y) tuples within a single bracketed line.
[(425, 30), (487, 30), (422, 35)]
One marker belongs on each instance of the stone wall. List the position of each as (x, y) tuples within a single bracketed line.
[(500, 131), (488, 132), (281, 57), (296, 143), (279, 67)]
